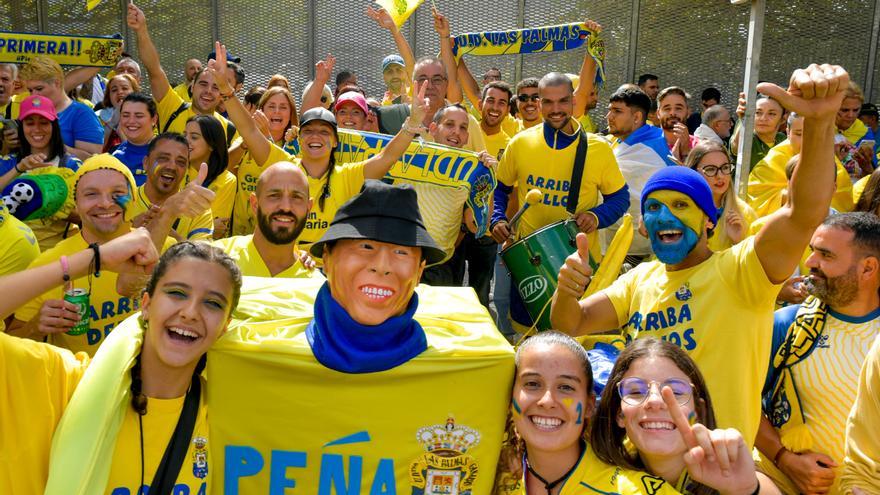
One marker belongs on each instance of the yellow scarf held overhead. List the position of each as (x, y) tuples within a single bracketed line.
[(534, 40), (91, 4), (81, 51), (400, 10)]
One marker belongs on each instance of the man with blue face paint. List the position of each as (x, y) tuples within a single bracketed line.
[(717, 306)]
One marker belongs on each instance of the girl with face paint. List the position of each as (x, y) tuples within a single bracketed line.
[(547, 452), (734, 215), (656, 398)]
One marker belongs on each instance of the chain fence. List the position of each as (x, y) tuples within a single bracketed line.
[(689, 43)]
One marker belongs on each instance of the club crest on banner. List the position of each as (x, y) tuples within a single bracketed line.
[(445, 468)]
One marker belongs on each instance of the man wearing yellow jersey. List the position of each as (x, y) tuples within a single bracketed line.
[(543, 158), (103, 189), (190, 68), (174, 112), (845, 278), (281, 205), (677, 297), (166, 163)]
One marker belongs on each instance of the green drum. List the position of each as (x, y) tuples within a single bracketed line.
[(534, 262)]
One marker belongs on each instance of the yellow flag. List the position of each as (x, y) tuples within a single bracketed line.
[(400, 10), (90, 4)]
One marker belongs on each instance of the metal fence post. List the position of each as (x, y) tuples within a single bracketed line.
[(636, 6), (42, 15), (872, 53), (520, 24), (753, 63), (126, 33), (215, 21), (312, 39)]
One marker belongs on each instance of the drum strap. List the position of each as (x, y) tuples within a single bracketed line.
[(577, 173)]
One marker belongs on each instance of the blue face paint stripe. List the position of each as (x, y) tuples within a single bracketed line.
[(580, 411), (516, 406)]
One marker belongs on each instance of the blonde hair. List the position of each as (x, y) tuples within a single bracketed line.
[(42, 68), (854, 91), (278, 80), (728, 199), (279, 90)]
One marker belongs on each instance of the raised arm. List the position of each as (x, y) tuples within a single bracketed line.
[(816, 93), (384, 20), (441, 25), (468, 84), (377, 166), (80, 75), (133, 252), (256, 142), (587, 75), (137, 21), (323, 71)]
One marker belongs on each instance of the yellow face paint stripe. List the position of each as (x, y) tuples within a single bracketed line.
[(691, 215)]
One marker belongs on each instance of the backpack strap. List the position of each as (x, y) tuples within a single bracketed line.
[(182, 108), (577, 173)]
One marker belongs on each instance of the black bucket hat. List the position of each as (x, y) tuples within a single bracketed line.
[(382, 212)]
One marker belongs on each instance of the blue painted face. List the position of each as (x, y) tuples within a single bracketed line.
[(671, 238)]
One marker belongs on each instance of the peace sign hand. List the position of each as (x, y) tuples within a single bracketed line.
[(419, 105), (220, 69), (716, 458)]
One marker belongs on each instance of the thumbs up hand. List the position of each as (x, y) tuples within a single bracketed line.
[(575, 274), (193, 200)]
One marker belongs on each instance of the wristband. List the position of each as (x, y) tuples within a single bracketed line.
[(20, 171), (414, 130), (227, 96), (778, 455), (97, 259), (757, 486), (65, 271)]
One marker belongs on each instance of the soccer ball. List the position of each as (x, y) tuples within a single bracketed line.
[(11, 204), (22, 192)]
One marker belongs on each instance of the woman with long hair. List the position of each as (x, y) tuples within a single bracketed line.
[(275, 114), (735, 215), (118, 87), (207, 144), (656, 415), (143, 404), (42, 151)]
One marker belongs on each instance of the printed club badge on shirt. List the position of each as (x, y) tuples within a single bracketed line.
[(445, 469), (200, 457), (684, 293)]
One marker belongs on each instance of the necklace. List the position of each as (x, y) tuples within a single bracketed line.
[(550, 485)]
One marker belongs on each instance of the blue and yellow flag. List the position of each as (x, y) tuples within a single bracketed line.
[(534, 40), (79, 51), (400, 10), (281, 422)]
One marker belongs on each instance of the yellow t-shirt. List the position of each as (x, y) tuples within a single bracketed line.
[(224, 187), (242, 249), (199, 228), (19, 247), (182, 91), (717, 243), (106, 306), (170, 103), (496, 143), (720, 312), (592, 476), (530, 163), (158, 426), (243, 220), (36, 382), (827, 380), (859, 188), (587, 122)]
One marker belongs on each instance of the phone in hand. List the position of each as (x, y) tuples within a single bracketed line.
[(867, 143)]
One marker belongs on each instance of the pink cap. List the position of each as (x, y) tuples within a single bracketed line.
[(352, 97), (37, 105)]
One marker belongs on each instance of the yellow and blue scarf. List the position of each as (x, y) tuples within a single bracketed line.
[(85, 51)]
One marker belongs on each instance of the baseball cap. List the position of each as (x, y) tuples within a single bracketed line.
[(229, 57), (37, 105), (352, 97), (392, 59)]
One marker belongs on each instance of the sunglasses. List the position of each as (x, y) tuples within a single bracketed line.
[(712, 170), (525, 98), (634, 390)]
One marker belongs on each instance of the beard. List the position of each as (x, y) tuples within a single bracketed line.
[(668, 123), (284, 235), (834, 291)]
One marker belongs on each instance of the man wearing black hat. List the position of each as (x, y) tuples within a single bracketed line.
[(869, 115), (374, 252)]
